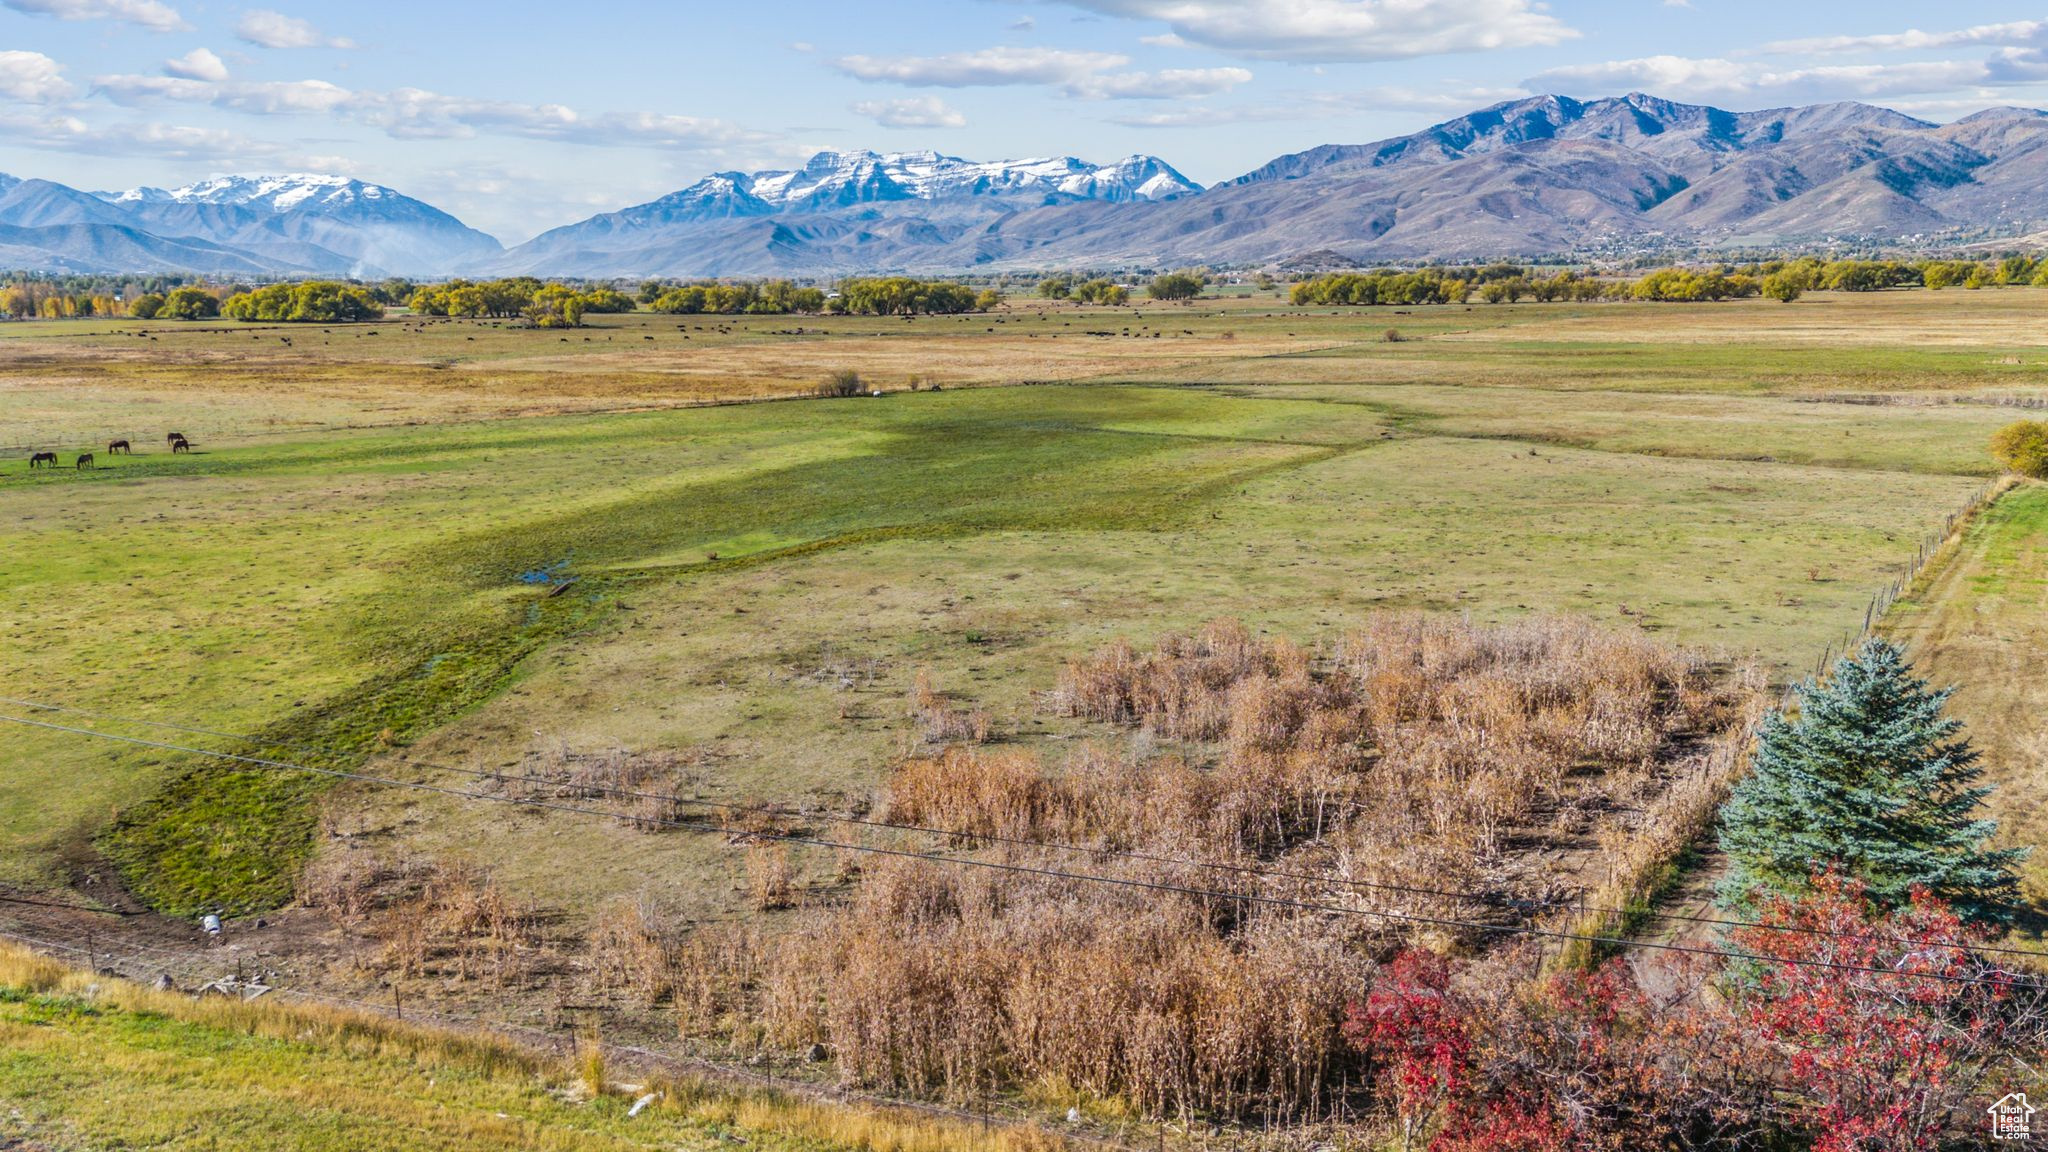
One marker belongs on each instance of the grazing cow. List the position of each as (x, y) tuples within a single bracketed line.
[(42, 460), (119, 448), (173, 437), (85, 461), (181, 445)]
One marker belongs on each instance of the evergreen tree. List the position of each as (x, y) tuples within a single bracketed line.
[(1873, 781)]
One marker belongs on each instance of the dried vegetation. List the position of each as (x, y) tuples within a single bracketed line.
[(1423, 768)]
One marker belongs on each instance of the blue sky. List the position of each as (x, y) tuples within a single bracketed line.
[(519, 116)]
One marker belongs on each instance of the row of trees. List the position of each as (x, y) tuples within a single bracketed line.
[(1779, 280), (1427, 286), (313, 302), (905, 296), (549, 305), (767, 298), (1095, 291), (187, 303)]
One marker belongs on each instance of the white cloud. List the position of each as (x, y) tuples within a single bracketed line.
[(2019, 32), (1307, 106), (261, 98), (1346, 30), (32, 78), (417, 114), (913, 112), (1087, 75), (990, 67), (1740, 81), (1171, 83), (198, 64), (167, 141), (267, 29), (150, 14)]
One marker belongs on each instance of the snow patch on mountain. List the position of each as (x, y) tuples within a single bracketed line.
[(284, 193), (839, 179)]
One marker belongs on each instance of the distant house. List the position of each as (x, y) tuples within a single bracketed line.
[(2011, 1118)]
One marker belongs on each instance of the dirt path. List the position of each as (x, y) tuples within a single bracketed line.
[(1980, 623)]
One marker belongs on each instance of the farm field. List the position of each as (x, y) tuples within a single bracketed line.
[(357, 585), (457, 544)]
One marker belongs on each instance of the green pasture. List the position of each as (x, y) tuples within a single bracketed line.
[(363, 592)]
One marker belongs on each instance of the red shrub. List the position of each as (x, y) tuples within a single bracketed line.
[(1413, 1025)]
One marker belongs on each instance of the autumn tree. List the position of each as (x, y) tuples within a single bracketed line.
[(2022, 447), (1175, 286), (189, 303)]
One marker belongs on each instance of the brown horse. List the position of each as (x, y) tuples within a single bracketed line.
[(119, 448), (181, 445), (173, 437), (42, 460), (85, 461)]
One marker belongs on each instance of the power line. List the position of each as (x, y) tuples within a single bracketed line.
[(68, 907), (2001, 978), (783, 812)]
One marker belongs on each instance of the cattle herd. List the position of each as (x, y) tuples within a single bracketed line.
[(176, 441)]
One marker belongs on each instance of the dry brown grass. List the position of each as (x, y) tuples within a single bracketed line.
[(771, 879), (640, 787), (633, 945), (939, 721), (1498, 766), (361, 1064), (428, 918)]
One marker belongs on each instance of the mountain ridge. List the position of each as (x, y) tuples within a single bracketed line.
[(1543, 175)]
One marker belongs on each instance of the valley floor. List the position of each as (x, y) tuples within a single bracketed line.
[(463, 546)]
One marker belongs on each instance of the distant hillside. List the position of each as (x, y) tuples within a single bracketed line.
[(238, 225), (1542, 175), (332, 223), (1545, 175)]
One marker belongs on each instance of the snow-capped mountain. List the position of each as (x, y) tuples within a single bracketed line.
[(839, 179), (277, 193), (1543, 175), (332, 224), (923, 198)]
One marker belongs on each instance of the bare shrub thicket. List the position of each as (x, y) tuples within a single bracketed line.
[(1423, 767), (429, 918), (633, 946), (640, 788), (937, 718)]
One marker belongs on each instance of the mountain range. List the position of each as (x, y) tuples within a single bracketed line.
[(1544, 175), (259, 226)]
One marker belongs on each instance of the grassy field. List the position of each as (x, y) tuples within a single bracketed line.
[(1980, 623), (89, 1062), (360, 556)]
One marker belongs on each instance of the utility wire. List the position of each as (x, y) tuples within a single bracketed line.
[(785, 813), (2004, 979)]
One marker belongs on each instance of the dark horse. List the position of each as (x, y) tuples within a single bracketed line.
[(85, 461), (181, 445), (173, 437), (42, 460), (119, 448)]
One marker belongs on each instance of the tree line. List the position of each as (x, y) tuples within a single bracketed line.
[(1785, 280)]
